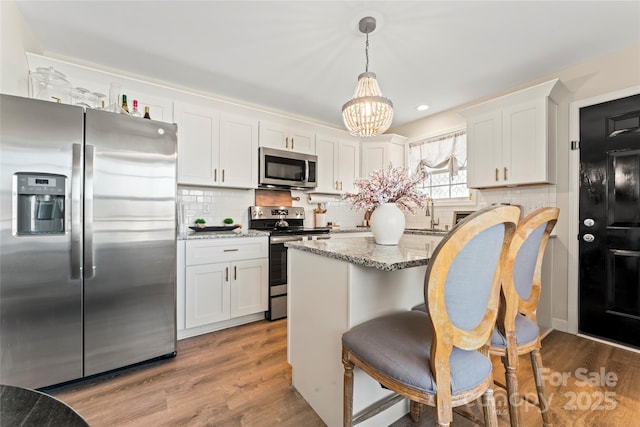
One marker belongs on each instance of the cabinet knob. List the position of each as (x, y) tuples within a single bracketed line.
[(504, 173), (497, 172)]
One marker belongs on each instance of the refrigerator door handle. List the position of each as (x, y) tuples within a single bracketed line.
[(76, 212), (89, 268)]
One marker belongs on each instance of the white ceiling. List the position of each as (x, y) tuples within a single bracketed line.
[(304, 57)]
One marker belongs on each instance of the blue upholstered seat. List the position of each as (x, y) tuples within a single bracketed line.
[(398, 345), (527, 331)]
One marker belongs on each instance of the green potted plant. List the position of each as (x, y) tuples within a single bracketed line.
[(200, 223)]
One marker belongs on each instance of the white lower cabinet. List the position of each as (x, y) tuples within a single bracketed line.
[(226, 280)]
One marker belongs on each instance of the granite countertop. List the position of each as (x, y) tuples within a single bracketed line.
[(196, 235), (420, 231), (413, 251)]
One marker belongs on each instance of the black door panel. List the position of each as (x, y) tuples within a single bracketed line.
[(610, 220)]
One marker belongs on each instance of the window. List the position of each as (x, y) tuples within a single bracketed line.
[(444, 161)]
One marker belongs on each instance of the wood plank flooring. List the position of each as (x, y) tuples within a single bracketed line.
[(240, 377)]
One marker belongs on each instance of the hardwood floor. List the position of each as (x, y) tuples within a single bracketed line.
[(240, 377)]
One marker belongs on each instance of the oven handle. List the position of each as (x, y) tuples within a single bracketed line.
[(282, 239)]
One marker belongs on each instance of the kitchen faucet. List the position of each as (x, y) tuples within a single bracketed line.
[(430, 211)]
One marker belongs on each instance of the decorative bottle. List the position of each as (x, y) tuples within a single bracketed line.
[(135, 112), (146, 113), (125, 106)]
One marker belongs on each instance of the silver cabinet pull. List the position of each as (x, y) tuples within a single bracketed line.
[(222, 175), (215, 174), (588, 238)]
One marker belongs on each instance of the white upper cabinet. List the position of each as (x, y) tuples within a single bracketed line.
[(215, 149), (284, 137), (238, 151), (198, 143), (381, 151), (512, 140), (338, 163)]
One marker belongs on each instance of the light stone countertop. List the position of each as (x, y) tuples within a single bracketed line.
[(197, 235), (414, 250), (420, 231)]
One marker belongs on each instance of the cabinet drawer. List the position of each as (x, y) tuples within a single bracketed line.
[(221, 250)]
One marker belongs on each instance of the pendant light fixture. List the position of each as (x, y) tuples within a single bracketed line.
[(368, 113)]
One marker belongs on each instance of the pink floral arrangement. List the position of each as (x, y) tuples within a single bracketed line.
[(391, 185)]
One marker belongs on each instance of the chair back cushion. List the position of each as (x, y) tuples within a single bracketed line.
[(525, 263), (471, 276)]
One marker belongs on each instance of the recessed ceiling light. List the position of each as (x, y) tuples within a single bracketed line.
[(422, 107)]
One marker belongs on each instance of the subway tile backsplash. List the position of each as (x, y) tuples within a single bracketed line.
[(216, 204), (213, 205)]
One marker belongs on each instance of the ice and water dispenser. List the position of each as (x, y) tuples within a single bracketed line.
[(40, 203)]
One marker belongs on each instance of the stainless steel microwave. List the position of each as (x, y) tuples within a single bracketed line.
[(279, 168)]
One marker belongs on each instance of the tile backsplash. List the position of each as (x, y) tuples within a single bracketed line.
[(213, 205), (216, 204)]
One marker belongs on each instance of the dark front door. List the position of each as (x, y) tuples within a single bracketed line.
[(610, 220)]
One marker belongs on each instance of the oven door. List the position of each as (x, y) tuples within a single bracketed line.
[(278, 276)]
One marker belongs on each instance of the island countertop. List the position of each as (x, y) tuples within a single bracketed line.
[(412, 251)]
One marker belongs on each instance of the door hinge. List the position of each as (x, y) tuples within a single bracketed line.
[(575, 145)]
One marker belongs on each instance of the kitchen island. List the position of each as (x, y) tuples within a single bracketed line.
[(333, 286)]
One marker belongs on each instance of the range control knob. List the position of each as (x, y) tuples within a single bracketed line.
[(588, 238)]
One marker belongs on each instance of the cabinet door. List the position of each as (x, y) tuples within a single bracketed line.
[(198, 144), (524, 141), (272, 135), (326, 150), (207, 294), (238, 151), (249, 287), (348, 164), (484, 150), (373, 157), (301, 140)]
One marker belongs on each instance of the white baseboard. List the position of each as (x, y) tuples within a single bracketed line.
[(560, 324), (205, 329)]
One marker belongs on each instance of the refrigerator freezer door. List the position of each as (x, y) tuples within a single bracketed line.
[(130, 240), (40, 285)]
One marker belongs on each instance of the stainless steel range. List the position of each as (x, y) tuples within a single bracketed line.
[(285, 224)]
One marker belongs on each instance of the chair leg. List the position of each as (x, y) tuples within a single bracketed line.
[(416, 410), (347, 408), (489, 404), (513, 396), (536, 364)]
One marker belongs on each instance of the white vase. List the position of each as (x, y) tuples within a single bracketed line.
[(387, 224)]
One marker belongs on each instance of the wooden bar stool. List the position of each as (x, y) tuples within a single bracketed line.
[(432, 358), (517, 331)]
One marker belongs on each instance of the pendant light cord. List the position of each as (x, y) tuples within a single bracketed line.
[(366, 53)]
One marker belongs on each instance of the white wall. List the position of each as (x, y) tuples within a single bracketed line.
[(15, 38), (599, 76)]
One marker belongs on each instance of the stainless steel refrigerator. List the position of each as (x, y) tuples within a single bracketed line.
[(88, 241)]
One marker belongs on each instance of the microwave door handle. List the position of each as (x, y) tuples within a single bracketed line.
[(306, 171)]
